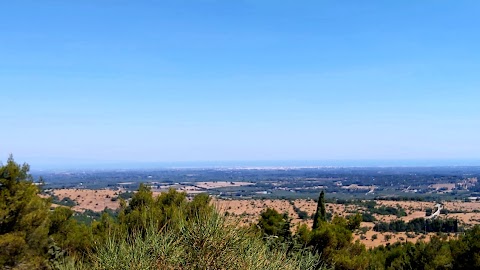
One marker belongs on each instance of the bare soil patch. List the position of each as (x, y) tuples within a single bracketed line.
[(95, 200)]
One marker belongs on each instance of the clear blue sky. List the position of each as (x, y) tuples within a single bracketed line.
[(155, 81)]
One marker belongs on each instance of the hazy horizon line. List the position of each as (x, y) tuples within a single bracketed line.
[(151, 165)]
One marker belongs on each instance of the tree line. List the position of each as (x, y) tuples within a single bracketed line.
[(420, 225)]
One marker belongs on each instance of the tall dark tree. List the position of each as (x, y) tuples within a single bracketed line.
[(321, 213)]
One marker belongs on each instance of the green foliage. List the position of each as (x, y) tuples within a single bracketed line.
[(433, 255), (466, 252), (28, 230), (24, 222), (320, 213), (354, 222), (89, 216), (65, 201), (126, 195), (368, 217), (169, 207), (333, 241), (74, 238), (206, 241), (389, 210), (272, 223), (419, 225)]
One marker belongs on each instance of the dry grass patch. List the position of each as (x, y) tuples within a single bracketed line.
[(89, 199)]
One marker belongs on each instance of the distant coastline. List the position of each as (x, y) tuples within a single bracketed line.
[(258, 165)]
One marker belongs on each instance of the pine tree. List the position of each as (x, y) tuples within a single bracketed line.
[(320, 214), (275, 224), (24, 222)]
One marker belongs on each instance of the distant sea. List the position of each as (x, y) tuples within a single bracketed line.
[(90, 165)]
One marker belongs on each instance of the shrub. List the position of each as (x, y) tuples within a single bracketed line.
[(206, 242)]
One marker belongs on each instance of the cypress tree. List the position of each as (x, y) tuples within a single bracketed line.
[(320, 214)]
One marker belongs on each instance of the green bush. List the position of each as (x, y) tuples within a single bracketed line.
[(205, 242)]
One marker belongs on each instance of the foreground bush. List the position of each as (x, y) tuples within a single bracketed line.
[(205, 242)]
